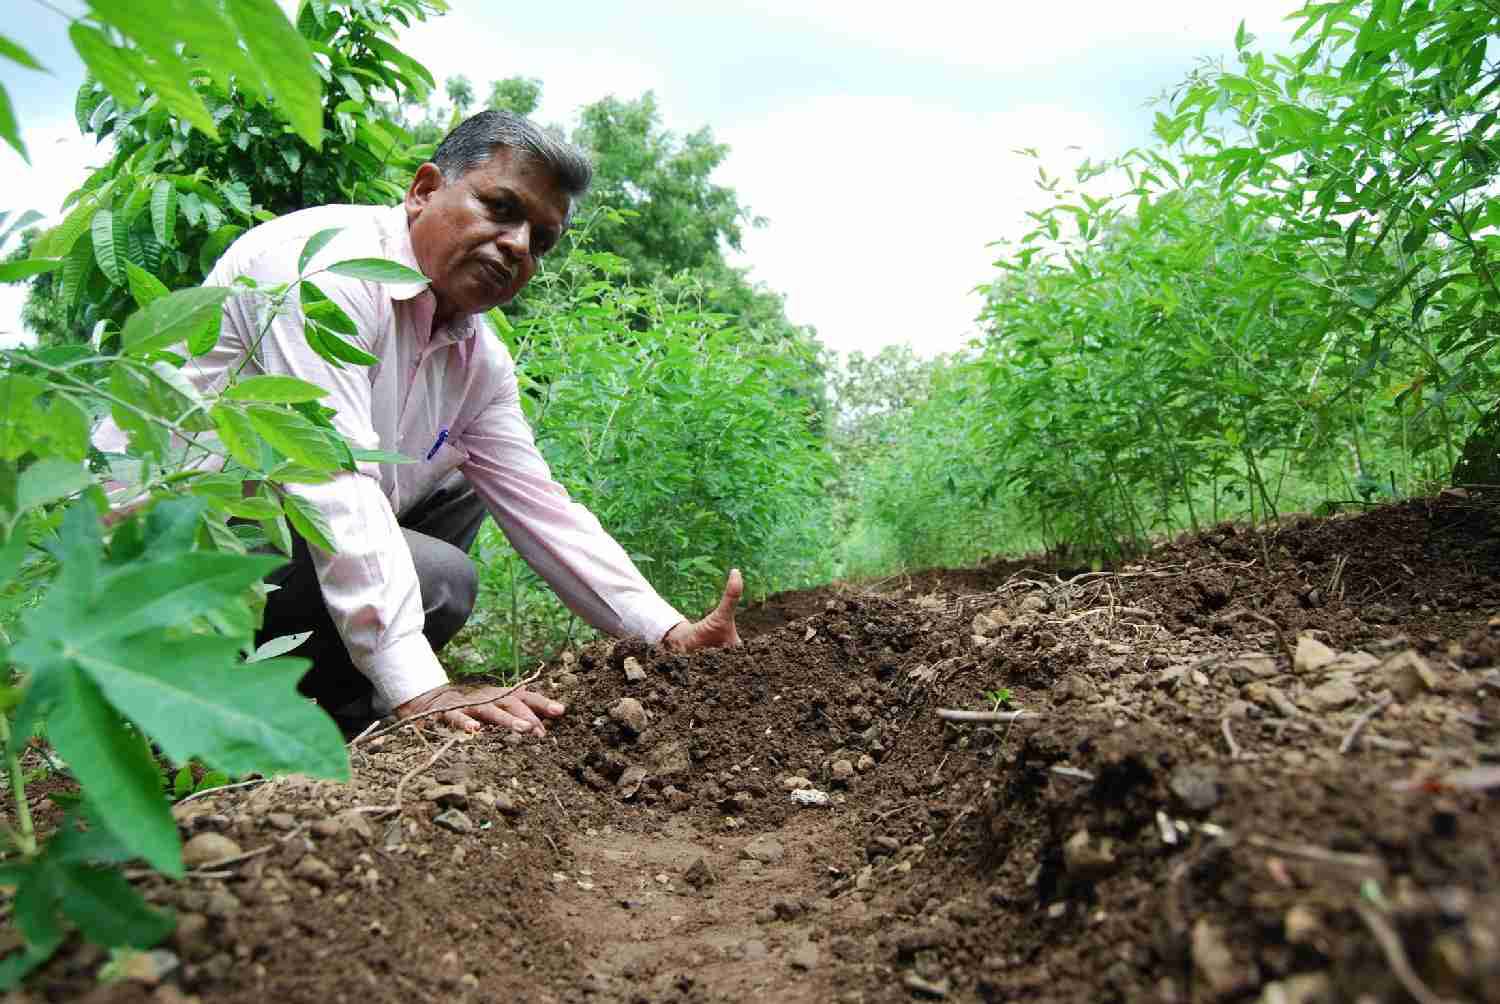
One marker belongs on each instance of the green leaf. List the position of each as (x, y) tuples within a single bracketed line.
[(278, 534), (108, 229), (316, 243), (10, 129), (144, 287), (164, 212), (279, 646), (218, 242), (285, 62), (189, 694), (11, 50), (377, 270), (107, 910), (334, 348), (316, 306), (237, 435), (49, 480), (237, 195), (177, 317), (275, 389), (108, 759), (13, 271), (109, 65), (308, 521), (297, 438), (382, 457)]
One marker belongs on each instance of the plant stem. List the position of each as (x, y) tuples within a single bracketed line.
[(26, 838)]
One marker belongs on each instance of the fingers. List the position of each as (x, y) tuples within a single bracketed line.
[(506, 716), (540, 703)]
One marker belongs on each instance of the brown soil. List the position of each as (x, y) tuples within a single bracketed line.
[(1178, 823)]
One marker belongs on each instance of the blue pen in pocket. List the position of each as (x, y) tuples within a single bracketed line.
[(442, 438)]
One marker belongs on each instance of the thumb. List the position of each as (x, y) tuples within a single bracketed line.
[(733, 589)]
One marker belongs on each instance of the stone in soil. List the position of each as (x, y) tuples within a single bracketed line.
[(765, 848), (804, 956), (208, 848), (629, 714), (1408, 675), (1195, 786), (315, 870), (633, 671), (1333, 695), (1076, 687), (1312, 655), (455, 820)]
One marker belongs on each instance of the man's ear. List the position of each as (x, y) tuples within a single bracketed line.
[(424, 184)]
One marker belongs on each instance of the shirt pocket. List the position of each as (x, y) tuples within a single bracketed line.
[(427, 476)]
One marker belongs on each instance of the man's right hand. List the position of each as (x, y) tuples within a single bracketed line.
[(520, 711)]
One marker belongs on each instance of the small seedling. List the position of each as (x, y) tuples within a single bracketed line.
[(998, 697)]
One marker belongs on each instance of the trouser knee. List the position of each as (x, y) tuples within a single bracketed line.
[(448, 595)]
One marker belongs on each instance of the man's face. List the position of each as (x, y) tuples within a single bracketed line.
[(478, 238)]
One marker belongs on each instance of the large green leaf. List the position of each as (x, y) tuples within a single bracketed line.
[(177, 317), (13, 51), (107, 910), (237, 435), (308, 521), (108, 229), (296, 437), (10, 129), (109, 65), (166, 593), (194, 699), (285, 63), (110, 762), (377, 270), (145, 288), (164, 212), (276, 389), (14, 271), (49, 480), (315, 243)]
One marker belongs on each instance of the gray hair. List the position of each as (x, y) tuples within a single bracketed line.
[(474, 141)]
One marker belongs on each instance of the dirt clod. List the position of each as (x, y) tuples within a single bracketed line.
[(207, 849)]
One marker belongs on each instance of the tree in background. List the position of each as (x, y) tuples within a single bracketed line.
[(172, 195)]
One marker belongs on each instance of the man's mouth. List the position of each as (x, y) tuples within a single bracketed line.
[(498, 274)]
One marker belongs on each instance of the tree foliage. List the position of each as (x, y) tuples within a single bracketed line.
[(173, 196)]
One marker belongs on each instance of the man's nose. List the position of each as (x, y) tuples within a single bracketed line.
[(516, 240)]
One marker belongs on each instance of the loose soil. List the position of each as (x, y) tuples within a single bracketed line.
[(1260, 766)]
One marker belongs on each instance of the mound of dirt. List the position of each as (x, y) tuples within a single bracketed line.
[(1247, 767)]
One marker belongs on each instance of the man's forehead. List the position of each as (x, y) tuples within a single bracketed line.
[(524, 175)]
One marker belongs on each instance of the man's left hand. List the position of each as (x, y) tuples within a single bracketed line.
[(717, 630)]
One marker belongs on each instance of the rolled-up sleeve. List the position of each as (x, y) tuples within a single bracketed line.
[(562, 540), (369, 582)]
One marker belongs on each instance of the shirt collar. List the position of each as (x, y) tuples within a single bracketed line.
[(397, 246)]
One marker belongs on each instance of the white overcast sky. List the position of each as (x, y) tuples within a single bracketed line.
[(877, 138)]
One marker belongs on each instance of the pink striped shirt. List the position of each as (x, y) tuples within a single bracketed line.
[(460, 378)]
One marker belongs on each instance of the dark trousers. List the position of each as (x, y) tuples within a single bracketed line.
[(439, 532)]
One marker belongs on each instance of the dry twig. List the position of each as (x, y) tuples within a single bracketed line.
[(395, 808), (953, 715), (1281, 639), (1395, 955), (1364, 864), (221, 788), (1359, 723), (1234, 747)]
